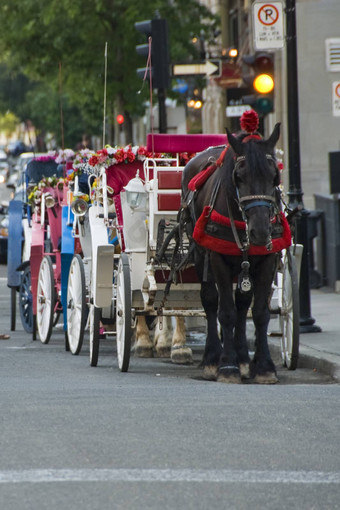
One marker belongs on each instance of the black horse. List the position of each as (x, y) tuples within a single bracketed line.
[(237, 227)]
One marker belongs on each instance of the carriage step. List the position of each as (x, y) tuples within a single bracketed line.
[(172, 313)]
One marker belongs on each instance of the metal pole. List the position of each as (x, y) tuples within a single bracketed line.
[(295, 192), (162, 112)]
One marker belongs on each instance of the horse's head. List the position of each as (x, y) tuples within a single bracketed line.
[(255, 178)]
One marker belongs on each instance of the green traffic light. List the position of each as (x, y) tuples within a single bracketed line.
[(264, 105)]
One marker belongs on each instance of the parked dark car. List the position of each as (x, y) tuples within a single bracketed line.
[(16, 148)]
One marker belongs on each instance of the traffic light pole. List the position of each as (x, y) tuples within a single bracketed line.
[(162, 119), (295, 192)]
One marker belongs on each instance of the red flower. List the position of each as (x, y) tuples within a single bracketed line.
[(142, 151), (119, 156), (130, 157), (94, 160)]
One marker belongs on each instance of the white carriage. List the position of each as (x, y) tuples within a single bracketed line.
[(120, 287)]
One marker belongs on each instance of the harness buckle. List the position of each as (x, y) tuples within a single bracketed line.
[(244, 283)]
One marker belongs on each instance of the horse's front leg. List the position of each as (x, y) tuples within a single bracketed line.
[(213, 346), (209, 299), (228, 369), (243, 302), (262, 367)]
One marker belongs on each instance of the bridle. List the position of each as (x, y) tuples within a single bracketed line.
[(255, 200), (248, 202)]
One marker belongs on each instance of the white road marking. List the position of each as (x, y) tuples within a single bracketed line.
[(168, 475)]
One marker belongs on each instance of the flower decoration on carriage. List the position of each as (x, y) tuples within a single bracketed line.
[(65, 156), (79, 164), (34, 196), (50, 156), (118, 155), (185, 157)]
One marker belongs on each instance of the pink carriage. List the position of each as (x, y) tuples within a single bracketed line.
[(51, 250)]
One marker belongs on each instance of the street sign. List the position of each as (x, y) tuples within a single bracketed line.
[(237, 110), (336, 98), (209, 68), (180, 86), (268, 25)]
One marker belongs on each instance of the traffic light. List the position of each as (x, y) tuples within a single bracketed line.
[(157, 29), (120, 119), (261, 81)]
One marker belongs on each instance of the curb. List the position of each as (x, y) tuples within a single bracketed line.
[(314, 359)]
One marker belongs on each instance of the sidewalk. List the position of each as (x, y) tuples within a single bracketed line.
[(321, 350)]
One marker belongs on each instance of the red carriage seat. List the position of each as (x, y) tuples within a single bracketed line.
[(166, 197)]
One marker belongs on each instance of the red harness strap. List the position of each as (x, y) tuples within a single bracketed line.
[(203, 235), (199, 179)]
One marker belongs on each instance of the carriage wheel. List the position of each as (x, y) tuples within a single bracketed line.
[(45, 299), (94, 335), (25, 300), (123, 311), (290, 313), (76, 304), (13, 307), (56, 316)]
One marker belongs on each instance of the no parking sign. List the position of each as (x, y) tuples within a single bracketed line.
[(336, 98), (268, 25)]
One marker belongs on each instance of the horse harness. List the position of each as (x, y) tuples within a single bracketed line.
[(244, 203)]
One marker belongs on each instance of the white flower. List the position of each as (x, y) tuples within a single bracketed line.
[(111, 150)]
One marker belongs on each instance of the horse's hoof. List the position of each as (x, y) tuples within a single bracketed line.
[(229, 379), (162, 352), (181, 356), (210, 373), (268, 378), (244, 370), (143, 352), (230, 375)]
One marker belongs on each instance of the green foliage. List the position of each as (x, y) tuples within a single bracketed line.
[(37, 39), (8, 123)]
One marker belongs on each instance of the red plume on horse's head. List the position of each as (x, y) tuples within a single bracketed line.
[(249, 121)]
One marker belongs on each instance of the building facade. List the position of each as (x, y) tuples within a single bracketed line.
[(318, 39)]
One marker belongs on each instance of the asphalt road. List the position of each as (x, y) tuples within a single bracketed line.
[(158, 437)]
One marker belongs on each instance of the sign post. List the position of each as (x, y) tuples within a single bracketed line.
[(295, 192), (268, 25)]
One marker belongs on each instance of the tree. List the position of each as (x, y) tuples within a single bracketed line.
[(8, 123), (36, 38)]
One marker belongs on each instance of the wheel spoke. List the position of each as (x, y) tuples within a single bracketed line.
[(76, 311)]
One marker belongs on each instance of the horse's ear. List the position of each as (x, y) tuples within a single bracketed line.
[(234, 142), (272, 140)]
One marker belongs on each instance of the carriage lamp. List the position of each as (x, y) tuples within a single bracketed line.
[(79, 207), (135, 192), (49, 201)]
